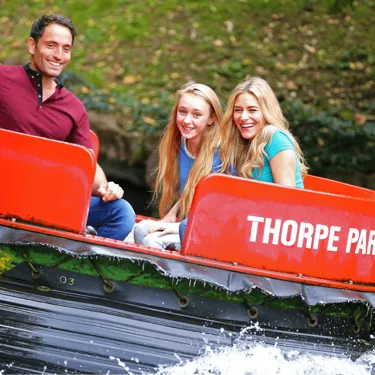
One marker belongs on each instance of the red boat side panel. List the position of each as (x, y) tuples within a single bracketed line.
[(44, 181), (95, 144), (336, 187), (282, 229)]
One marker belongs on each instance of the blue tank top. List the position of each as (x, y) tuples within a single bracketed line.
[(280, 141), (186, 161)]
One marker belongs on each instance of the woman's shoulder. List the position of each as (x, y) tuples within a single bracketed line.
[(280, 140), (279, 135), (275, 131)]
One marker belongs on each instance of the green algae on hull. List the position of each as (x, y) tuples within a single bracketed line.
[(145, 274)]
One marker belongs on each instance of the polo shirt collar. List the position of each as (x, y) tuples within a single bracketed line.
[(37, 76), (34, 73)]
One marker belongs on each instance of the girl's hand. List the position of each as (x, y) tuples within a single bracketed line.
[(164, 228)]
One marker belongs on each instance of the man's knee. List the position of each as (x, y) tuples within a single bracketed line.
[(123, 208), (124, 215), (114, 219)]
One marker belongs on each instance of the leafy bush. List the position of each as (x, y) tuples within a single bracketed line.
[(145, 117), (330, 144)]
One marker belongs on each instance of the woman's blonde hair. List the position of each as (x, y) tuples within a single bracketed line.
[(167, 180), (242, 153)]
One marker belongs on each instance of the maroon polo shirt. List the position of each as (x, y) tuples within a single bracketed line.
[(62, 116)]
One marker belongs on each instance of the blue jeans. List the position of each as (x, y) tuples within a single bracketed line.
[(113, 219), (182, 229)]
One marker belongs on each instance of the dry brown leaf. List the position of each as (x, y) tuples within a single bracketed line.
[(128, 80)]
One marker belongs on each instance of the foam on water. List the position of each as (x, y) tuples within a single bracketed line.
[(259, 359), (255, 359)]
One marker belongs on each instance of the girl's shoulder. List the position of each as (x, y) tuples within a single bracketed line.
[(274, 130), (279, 135), (280, 140)]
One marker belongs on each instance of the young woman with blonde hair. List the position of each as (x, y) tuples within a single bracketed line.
[(188, 151), (255, 137)]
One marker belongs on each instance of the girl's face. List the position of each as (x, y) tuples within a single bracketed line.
[(247, 115), (193, 117)]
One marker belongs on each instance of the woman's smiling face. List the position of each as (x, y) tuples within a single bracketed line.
[(247, 115), (193, 117)]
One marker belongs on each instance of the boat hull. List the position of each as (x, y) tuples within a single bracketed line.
[(50, 329)]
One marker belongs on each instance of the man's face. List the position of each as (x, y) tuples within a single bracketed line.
[(52, 53)]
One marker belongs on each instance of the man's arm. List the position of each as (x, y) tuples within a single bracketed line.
[(109, 191)]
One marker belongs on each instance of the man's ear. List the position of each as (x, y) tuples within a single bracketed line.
[(31, 45)]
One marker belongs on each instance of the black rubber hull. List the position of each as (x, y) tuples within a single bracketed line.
[(83, 329)]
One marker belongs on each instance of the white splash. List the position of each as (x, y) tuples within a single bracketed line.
[(259, 359), (121, 364)]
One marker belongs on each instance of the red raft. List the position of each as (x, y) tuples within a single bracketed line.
[(316, 245)]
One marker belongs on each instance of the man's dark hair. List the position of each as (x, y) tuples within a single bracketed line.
[(39, 26)]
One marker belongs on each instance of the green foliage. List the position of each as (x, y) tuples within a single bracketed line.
[(337, 6), (331, 144), (145, 117), (131, 56), (320, 51)]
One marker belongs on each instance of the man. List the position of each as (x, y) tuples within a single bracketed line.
[(34, 101)]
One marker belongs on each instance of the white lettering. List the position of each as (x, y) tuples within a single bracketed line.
[(371, 243), (361, 244), (321, 233), (306, 231), (255, 220), (307, 235), (353, 236), (333, 238), (293, 233), (275, 231)]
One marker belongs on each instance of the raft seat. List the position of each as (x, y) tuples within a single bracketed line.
[(95, 144), (325, 233), (45, 182), (336, 187)]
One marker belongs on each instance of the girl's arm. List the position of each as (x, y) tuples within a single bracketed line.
[(171, 216), (283, 168)]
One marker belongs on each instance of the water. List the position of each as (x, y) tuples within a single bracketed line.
[(259, 359), (249, 357), (252, 358), (245, 357)]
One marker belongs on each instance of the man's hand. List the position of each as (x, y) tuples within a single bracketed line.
[(110, 191), (164, 228)]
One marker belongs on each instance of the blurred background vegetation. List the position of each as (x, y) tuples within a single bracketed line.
[(131, 56)]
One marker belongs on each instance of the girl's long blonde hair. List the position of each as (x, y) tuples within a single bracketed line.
[(167, 180), (248, 154)]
